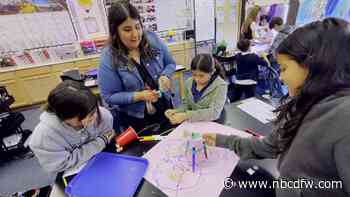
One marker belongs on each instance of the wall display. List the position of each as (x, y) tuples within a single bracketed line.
[(89, 18), (310, 10), (205, 20), (29, 24), (173, 14), (338, 8), (147, 10)]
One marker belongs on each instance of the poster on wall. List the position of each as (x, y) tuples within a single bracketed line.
[(31, 24), (310, 10), (89, 18), (147, 10), (338, 8)]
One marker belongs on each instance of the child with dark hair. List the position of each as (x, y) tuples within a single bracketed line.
[(311, 138), (72, 129), (247, 70), (205, 92)]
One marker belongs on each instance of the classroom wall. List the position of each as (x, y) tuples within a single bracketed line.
[(269, 2)]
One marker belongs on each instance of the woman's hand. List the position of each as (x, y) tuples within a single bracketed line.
[(164, 83), (147, 95), (178, 118), (209, 139)]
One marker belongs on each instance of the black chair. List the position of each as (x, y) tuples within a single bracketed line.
[(10, 128)]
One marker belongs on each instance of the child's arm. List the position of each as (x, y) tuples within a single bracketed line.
[(250, 148), (55, 157), (214, 110)]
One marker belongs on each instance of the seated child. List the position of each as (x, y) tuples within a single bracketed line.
[(72, 129), (205, 92), (247, 70)]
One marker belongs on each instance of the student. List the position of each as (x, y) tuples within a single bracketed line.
[(312, 138), (72, 129), (205, 92), (134, 66), (249, 25), (263, 27), (279, 32), (247, 70)]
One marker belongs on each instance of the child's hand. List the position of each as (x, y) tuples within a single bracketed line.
[(169, 113), (118, 148), (209, 139), (109, 135), (178, 118)]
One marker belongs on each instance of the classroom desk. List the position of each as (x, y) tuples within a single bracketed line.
[(234, 118), (237, 119), (240, 120)]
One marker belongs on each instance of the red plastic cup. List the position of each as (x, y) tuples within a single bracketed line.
[(126, 137)]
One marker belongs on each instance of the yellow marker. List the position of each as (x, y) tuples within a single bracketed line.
[(65, 182), (150, 138)]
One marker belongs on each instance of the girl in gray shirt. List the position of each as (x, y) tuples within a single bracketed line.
[(312, 136)]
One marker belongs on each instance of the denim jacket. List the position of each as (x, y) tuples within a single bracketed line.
[(118, 83)]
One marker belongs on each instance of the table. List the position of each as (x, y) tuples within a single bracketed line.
[(237, 119), (234, 118)]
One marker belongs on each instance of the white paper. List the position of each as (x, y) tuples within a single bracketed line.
[(258, 109), (170, 168)]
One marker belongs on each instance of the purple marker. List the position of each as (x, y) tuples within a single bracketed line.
[(193, 158)]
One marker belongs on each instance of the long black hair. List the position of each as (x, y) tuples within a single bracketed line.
[(117, 14), (324, 48), (208, 64), (71, 99)]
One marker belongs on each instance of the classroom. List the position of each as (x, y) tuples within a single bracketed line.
[(185, 98)]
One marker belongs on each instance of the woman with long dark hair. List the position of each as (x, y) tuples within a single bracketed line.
[(312, 135), (135, 71)]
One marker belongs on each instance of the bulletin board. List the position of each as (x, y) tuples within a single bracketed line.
[(205, 20), (173, 14), (30, 24), (310, 10), (89, 18)]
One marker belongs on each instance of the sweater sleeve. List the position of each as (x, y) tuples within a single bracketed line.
[(250, 148), (215, 108), (342, 161), (54, 157)]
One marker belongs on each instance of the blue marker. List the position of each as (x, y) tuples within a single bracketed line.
[(193, 158)]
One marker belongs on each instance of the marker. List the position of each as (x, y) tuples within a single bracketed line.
[(205, 150), (250, 131), (64, 182), (193, 158), (150, 138)]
